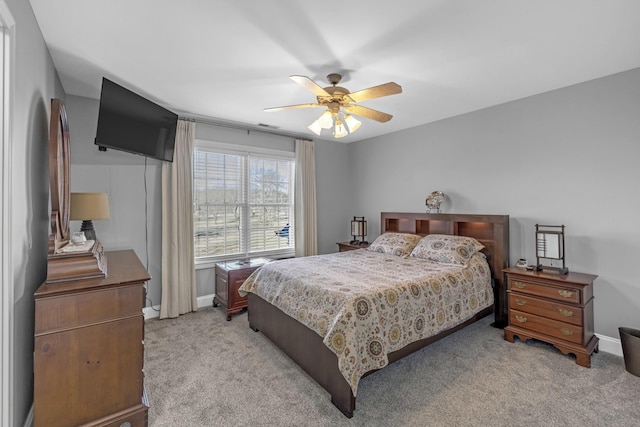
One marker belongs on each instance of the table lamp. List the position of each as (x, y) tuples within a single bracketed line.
[(358, 229), (87, 207)]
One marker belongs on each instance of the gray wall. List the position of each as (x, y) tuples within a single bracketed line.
[(135, 221), (36, 82), (563, 157), (568, 157)]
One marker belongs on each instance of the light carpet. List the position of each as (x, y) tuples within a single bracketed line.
[(201, 370)]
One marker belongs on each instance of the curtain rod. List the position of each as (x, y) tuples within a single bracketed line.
[(243, 127)]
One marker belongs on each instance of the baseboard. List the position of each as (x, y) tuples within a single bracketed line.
[(154, 311), (610, 345), (606, 344)]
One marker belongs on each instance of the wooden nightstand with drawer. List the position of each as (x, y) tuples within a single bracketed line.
[(554, 308), (230, 275), (348, 246)]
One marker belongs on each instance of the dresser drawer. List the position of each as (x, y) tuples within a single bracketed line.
[(553, 328), (58, 313), (558, 293), (562, 312)]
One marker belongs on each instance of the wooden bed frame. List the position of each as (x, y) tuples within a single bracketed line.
[(305, 346)]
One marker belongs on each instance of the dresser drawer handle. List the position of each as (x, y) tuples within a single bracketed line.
[(520, 302), (521, 319), (519, 285), (566, 331), (565, 294), (565, 312)]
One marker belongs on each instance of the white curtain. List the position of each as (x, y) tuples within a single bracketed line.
[(306, 234), (178, 270)]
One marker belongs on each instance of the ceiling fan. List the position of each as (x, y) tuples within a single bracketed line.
[(341, 104)]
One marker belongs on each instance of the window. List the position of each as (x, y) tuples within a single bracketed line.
[(243, 203)]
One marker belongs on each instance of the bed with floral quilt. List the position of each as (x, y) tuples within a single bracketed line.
[(341, 316)]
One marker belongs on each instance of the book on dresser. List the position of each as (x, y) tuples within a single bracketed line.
[(89, 348)]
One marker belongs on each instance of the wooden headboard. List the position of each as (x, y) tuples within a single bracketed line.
[(490, 230)]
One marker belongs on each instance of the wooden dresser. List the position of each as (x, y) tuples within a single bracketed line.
[(230, 275), (89, 348), (554, 308)]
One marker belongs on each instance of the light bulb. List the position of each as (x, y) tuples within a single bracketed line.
[(339, 131)]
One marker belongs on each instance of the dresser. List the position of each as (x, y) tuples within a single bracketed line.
[(557, 309), (230, 275), (89, 348)]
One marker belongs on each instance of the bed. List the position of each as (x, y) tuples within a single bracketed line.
[(382, 303)]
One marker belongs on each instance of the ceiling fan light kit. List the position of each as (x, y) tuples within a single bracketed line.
[(341, 104)]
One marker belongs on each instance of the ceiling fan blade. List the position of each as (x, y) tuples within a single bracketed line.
[(289, 107), (369, 113), (310, 85), (379, 91)]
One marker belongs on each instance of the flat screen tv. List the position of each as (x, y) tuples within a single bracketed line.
[(132, 123)]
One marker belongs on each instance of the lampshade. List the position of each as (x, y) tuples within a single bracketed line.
[(315, 127), (339, 130), (89, 206), (326, 120), (352, 122), (358, 229)]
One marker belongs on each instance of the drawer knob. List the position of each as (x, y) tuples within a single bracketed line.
[(565, 294), (565, 312), (520, 302), (520, 285), (566, 331), (521, 319)]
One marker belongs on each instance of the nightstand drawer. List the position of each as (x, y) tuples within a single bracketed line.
[(564, 331), (562, 312), (240, 275), (564, 294)]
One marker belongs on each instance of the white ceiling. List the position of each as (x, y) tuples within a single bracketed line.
[(225, 60)]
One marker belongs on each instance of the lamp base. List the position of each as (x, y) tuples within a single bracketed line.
[(87, 227), (560, 270), (359, 242)]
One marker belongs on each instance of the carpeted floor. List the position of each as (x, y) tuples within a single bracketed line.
[(201, 370)]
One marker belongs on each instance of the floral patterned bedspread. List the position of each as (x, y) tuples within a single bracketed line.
[(366, 304)]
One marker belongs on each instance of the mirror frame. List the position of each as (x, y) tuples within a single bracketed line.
[(59, 171)]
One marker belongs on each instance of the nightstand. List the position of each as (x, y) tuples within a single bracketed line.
[(554, 308), (348, 246), (230, 275)]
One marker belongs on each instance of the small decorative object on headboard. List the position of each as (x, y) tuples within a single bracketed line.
[(550, 246), (358, 229), (434, 199)]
